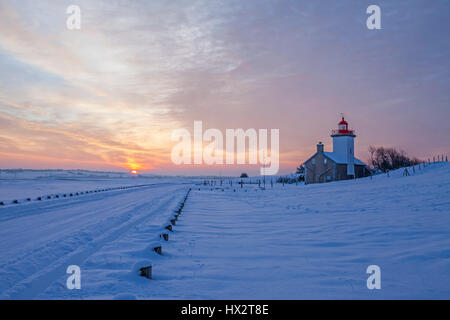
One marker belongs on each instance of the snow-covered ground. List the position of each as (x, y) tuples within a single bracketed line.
[(22, 185), (291, 242)]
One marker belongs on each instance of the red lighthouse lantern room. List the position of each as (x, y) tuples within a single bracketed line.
[(343, 128)]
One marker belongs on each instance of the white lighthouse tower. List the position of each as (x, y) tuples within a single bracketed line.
[(344, 145)]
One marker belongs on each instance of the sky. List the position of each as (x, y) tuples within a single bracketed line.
[(109, 95)]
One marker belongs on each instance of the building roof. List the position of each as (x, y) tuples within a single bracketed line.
[(336, 158), (341, 160)]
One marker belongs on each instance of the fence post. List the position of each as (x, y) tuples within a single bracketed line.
[(146, 272), (158, 250), (165, 236)]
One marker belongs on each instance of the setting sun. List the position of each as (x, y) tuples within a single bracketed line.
[(134, 172)]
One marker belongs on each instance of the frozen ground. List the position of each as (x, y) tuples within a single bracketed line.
[(291, 242)]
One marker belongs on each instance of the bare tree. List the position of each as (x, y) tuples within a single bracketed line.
[(385, 159)]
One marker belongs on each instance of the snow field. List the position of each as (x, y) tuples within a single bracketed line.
[(307, 242), (291, 242)]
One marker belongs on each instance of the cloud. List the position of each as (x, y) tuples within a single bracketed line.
[(113, 91)]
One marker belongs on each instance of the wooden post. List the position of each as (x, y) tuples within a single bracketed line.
[(158, 250), (165, 236), (169, 227), (172, 221), (146, 272)]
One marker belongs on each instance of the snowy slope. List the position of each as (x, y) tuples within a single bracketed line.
[(291, 242)]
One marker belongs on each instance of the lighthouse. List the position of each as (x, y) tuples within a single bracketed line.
[(340, 164), (344, 145)]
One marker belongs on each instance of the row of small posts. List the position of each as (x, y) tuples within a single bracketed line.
[(241, 182), (73, 194), (437, 159), (147, 271), (423, 164), (56, 196)]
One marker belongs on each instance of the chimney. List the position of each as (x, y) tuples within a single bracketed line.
[(320, 147)]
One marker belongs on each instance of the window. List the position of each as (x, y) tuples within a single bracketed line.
[(325, 161), (313, 161)]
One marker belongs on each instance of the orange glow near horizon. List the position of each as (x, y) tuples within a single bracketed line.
[(133, 165), (134, 172)]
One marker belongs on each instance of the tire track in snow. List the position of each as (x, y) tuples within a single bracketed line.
[(31, 208), (134, 211)]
